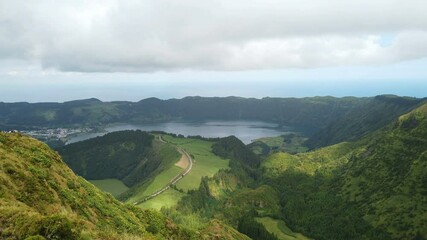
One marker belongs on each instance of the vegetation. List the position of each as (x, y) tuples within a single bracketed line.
[(41, 198), (279, 229), (362, 120), (227, 196), (157, 183), (373, 188), (255, 230), (370, 189), (167, 199), (315, 112), (127, 155), (111, 185), (205, 163), (291, 143), (232, 148)]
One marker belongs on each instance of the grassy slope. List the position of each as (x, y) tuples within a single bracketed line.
[(324, 160), (39, 194), (167, 199), (279, 228), (111, 185), (216, 229), (382, 176), (291, 143)]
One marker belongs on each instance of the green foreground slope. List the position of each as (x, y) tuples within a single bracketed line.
[(40, 195), (371, 189)]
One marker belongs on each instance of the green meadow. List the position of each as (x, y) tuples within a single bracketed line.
[(110, 185), (167, 199), (279, 228), (158, 182)]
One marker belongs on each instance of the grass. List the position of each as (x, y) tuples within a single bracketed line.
[(163, 179), (158, 182), (110, 185), (205, 163), (324, 160), (291, 143), (168, 198), (279, 228), (40, 195)]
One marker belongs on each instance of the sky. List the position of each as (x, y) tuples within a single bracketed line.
[(129, 50)]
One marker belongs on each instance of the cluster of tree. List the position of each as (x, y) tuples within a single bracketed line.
[(235, 150), (310, 207), (121, 155), (255, 230)]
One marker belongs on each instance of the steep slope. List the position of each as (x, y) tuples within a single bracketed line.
[(387, 178), (131, 156), (373, 188), (40, 195)]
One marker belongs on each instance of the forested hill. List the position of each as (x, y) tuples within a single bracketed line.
[(374, 188), (363, 119)]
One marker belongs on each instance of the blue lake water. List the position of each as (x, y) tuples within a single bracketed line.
[(244, 130)]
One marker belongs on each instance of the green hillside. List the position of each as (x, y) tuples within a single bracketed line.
[(374, 188), (40, 195)]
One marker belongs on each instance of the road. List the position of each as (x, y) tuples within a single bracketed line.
[(175, 179)]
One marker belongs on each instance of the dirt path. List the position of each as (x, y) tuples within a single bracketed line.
[(183, 162)]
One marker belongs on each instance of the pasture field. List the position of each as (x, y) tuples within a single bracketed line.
[(110, 185), (167, 199), (279, 228), (158, 182)]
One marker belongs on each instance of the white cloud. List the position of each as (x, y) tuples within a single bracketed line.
[(166, 35)]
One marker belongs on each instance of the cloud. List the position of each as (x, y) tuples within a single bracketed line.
[(166, 35)]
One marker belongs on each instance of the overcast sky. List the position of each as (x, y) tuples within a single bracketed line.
[(129, 50)]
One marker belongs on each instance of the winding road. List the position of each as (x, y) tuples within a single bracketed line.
[(175, 179)]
